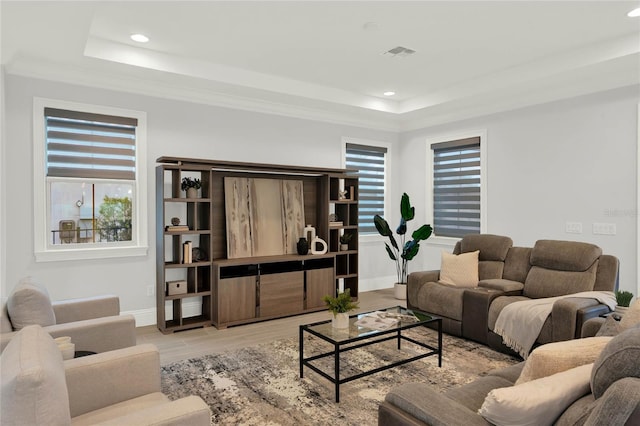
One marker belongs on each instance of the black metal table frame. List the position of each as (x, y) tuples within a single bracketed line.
[(380, 336)]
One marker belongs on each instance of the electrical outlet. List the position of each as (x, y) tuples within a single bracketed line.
[(573, 228), (151, 290), (604, 229)]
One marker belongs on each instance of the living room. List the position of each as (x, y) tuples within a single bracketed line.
[(560, 129)]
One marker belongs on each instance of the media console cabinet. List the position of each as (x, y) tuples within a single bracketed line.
[(214, 289)]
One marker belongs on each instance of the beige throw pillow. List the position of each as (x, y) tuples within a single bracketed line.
[(460, 270), (556, 357), (538, 402), (632, 316)]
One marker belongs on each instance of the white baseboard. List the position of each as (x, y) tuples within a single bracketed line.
[(147, 316)]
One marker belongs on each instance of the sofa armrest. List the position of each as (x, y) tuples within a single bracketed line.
[(191, 410), (87, 308), (101, 380), (428, 406), (415, 281), (591, 327), (99, 334), (619, 405), (565, 317)]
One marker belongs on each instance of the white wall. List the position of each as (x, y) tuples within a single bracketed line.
[(573, 160), (174, 129)]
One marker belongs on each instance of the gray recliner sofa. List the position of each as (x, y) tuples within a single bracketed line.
[(613, 397), (508, 274)]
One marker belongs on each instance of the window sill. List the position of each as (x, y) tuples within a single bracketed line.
[(92, 253)]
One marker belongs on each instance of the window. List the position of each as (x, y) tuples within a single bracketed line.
[(370, 161), (89, 167), (457, 186)]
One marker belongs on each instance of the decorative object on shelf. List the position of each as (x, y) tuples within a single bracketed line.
[(176, 228), (175, 221), (198, 254), (309, 233), (344, 241), (342, 195), (623, 300), (176, 287), (314, 246), (333, 217), (406, 251), (187, 252), (302, 246), (339, 306), (191, 186)]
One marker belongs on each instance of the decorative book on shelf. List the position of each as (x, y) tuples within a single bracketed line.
[(176, 228), (187, 248)]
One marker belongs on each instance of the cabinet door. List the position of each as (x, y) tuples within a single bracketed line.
[(281, 294), (320, 282), (237, 299)]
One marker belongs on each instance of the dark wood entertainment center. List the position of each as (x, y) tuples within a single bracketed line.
[(248, 289)]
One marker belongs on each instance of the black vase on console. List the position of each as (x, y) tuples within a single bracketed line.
[(303, 246)]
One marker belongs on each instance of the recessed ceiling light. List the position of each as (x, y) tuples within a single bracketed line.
[(389, 93), (634, 13), (140, 38)]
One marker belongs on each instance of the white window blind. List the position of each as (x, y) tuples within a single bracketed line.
[(86, 145), (370, 163), (456, 187)]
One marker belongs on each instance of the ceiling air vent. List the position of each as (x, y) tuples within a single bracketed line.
[(399, 51)]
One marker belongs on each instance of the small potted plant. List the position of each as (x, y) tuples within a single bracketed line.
[(340, 306), (344, 241), (623, 300), (191, 185)]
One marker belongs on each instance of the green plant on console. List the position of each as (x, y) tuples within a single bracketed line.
[(623, 298), (405, 251), (341, 303), (188, 182)]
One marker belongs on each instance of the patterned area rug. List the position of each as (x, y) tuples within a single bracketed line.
[(260, 385)]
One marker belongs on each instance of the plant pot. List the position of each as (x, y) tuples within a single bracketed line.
[(621, 310), (400, 291), (344, 247), (192, 193), (340, 320)]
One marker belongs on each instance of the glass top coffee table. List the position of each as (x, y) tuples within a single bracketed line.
[(356, 336)]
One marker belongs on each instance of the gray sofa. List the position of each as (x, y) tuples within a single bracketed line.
[(508, 274), (611, 398)]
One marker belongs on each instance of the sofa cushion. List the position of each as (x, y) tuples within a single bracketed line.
[(536, 402), (29, 304), (555, 357), (459, 270), (441, 300), (564, 255), (115, 411), (34, 388), (497, 305), (502, 285), (491, 247), (516, 265), (542, 282), (618, 359), (632, 316)]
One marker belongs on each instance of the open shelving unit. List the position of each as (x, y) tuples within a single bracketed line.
[(233, 291)]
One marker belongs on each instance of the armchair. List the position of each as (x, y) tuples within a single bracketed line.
[(120, 387), (94, 323)]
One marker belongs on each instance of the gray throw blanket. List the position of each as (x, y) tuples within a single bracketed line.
[(519, 323)]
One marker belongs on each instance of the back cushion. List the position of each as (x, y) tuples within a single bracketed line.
[(564, 255), (29, 304), (516, 265), (617, 360), (491, 247), (34, 388), (543, 282)]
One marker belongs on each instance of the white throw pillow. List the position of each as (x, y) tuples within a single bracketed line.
[(459, 270), (555, 357), (538, 402)]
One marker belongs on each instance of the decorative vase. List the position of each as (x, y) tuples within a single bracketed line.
[(314, 246), (344, 247), (621, 310), (192, 193), (400, 291), (340, 320), (302, 246)]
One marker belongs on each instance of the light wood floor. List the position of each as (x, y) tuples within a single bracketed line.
[(202, 341)]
